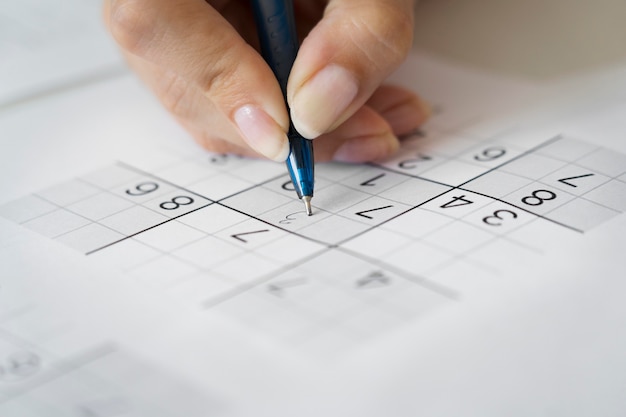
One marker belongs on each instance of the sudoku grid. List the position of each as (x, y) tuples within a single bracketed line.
[(229, 235)]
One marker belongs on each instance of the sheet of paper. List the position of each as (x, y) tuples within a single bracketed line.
[(477, 272)]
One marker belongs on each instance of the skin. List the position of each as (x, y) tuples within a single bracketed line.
[(201, 59)]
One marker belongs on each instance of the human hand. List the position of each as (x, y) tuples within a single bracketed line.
[(201, 60)]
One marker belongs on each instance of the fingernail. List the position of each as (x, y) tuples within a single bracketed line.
[(319, 104), (262, 133), (365, 149)]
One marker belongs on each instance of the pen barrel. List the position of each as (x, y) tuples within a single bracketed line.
[(277, 35), (301, 170), (279, 46)]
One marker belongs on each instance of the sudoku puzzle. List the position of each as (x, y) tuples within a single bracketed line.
[(229, 235)]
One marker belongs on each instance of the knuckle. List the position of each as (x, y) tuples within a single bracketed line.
[(219, 79), (130, 25), (388, 27), (173, 91)]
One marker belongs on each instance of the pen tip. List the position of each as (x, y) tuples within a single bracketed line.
[(307, 204)]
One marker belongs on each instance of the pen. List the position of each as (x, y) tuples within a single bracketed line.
[(279, 45)]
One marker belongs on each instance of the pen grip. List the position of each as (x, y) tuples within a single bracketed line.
[(277, 34)]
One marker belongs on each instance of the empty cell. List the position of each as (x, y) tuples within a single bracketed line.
[(374, 210), (377, 243), (459, 237), (142, 189), (337, 171), (213, 218), (418, 258), (417, 223), (208, 252), (169, 236), (497, 184), (454, 172), (56, 223), (161, 272), (90, 237), (605, 161), (68, 192), (290, 248), (26, 208), (371, 321), (538, 198), (133, 220), (198, 288), (99, 206), (126, 254), (490, 154), (186, 173), (250, 234), (334, 264), (526, 139), (446, 145), (258, 171), (574, 179), (264, 316), (333, 230), (247, 268), (257, 200), (532, 166), (611, 194), (457, 203), (176, 203), (293, 216), (567, 149), (337, 197), (219, 186), (414, 300), (468, 278), (110, 177), (374, 180), (581, 214), (414, 191)]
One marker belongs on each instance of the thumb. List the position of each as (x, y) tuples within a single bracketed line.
[(342, 61), (191, 39)]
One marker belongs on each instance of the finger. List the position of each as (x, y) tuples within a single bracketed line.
[(345, 58), (364, 137), (193, 40), (404, 110)]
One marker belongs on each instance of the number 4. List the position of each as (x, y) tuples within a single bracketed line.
[(457, 202)]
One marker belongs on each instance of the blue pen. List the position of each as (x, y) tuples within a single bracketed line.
[(279, 45)]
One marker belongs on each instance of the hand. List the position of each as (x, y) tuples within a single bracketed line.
[(201, 60)]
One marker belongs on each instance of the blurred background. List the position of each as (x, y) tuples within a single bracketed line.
[(539, 39)]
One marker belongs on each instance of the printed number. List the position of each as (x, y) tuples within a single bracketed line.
[(219, 159), (143, 188), (490, 154), (538, 197), (411, 163), (457, 202), (176, 202), (497, 215), (19, 365)]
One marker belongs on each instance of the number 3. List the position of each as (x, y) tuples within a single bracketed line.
[(492, 220)]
